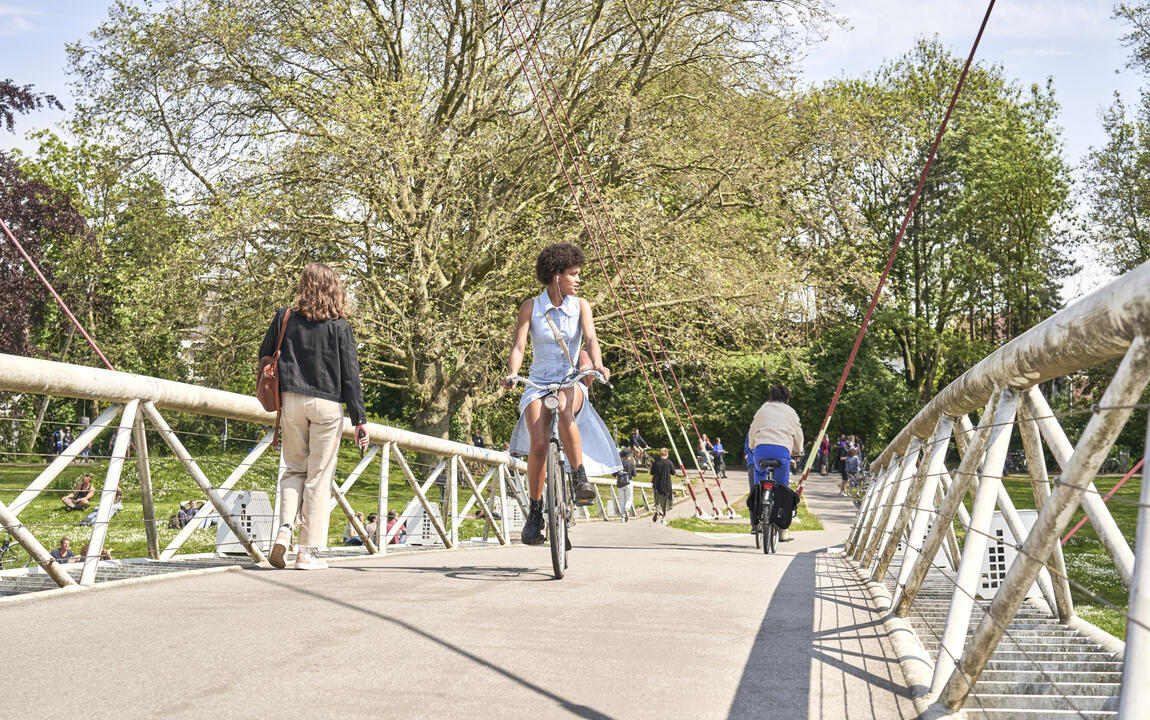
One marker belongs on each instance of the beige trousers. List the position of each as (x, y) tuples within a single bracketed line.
[(310, 431)]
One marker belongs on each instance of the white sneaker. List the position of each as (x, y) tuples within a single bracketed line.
[(306, 559), (280, 547), (785, 535)]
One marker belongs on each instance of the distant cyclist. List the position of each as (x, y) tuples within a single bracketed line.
[(559, 322), (638, 445), (775, 433)]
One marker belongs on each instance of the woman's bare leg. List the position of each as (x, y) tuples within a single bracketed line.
[(570, 402), (538, 420)]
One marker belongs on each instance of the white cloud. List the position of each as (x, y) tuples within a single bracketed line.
[(16, 20)]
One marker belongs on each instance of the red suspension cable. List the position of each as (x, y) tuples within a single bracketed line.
[(59, 300), (897, 243), (1106, 497)]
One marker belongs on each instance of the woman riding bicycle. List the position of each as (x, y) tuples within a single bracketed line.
[(558, 322), (775, 434)]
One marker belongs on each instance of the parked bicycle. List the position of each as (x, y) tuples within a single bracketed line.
[(12, 554), (558, 490)]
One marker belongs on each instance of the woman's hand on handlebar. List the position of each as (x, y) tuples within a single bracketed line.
[(508, 382), (605, 373)]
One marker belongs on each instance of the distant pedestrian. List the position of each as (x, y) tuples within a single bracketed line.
[(852, 470), (717, 453), (824, 455), (624, 487), (661, 470), (477, 440), (318, 370)]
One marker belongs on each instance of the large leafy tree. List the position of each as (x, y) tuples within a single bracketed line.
[(399, 143), (986, 247)]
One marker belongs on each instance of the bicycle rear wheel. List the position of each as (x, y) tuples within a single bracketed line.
[(769, 531), (555, 500)]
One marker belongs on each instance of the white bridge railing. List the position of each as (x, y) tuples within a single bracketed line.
[(136, 400), (915, 497)]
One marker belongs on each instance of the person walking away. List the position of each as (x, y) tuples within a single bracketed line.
[(623, 486), (824, 455), (717, 452), (661, 470), (775, 434), (559, 322), (318, 369), (852, 470)]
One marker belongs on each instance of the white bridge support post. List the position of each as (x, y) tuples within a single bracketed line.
[(1100, 433), (876, 497), (35, 550), (144, 473), (1040, 485), (382, 497), (1135, 690), (108, 494), (896, 513)]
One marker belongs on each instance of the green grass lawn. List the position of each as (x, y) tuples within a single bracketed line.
[(48, 519)]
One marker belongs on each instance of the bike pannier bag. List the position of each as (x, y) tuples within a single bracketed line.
[(786, 500)]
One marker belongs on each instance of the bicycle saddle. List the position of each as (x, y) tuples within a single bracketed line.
[(768, 464)]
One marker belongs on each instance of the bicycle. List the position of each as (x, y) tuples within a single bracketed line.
[(12, 554), (765, 532), (558, 493)]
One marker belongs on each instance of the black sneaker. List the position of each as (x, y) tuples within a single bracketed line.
[(584, 490), (533, 528)]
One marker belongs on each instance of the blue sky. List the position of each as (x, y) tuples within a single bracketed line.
[(1076, 42)]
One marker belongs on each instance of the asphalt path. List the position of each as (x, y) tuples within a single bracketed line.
[(650, 622)]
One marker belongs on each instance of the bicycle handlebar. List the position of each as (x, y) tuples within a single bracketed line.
[(566, 383)]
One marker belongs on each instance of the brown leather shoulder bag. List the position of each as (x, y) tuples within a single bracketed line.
[(268, 380)]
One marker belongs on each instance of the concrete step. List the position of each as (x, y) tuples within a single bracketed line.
[(1028, 714), (1052, 656), (1096, 664), (1050, 675), (984, 687), (1043, 702)]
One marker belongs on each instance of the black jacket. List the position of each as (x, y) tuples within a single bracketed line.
[(661, 471), (318, 359)]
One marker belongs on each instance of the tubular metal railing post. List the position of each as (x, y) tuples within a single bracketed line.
[(477, 495), (1135, 690), (453, 489), (884, 527), (108, 495), (193, 469), (1102, 429), (976, 448), (974, 546), (865, 504), (144, 471), (1109, 534), (881, 504), (381, 500), (925, 481), (872, 497), (1040, 485)]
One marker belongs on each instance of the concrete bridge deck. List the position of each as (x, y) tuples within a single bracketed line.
[(651, 622)]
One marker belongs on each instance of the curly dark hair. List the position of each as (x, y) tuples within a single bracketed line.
[(780, 393), (556, 258)]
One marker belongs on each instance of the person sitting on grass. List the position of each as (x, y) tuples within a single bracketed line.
[(105, 554), (350, 537), (117, 506), (64, 554), (81, 497)]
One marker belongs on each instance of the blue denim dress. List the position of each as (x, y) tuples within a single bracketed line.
[(550, 364)]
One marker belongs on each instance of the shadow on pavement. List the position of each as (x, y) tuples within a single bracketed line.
[(777, 677), (481, 573), (578, 710)]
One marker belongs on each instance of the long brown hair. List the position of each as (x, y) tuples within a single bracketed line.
[(321, 295)]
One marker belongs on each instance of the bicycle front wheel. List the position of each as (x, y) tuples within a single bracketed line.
[(555, 500)]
